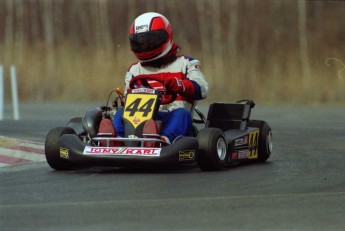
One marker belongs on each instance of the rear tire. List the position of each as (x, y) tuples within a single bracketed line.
[(52, 148), (265, 139), (213, 153)]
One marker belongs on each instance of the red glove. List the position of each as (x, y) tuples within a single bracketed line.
[(174, 84), (183, 87)]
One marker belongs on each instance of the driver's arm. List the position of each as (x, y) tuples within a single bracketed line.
[(197, 78), (128, 78)]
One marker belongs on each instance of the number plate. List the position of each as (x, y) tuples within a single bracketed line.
[(139, 108)]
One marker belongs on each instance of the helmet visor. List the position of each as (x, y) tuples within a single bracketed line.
[(147, 41)]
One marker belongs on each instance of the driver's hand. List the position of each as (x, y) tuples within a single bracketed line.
[(174, 84)]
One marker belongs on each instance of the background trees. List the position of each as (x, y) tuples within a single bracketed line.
[(271, 50)]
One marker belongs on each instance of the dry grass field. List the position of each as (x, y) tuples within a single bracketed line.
[(79, 75), (270, 51)]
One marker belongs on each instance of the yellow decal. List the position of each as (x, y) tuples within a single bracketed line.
[(253, 144), (139, 108), (64, 153), (187, 155)]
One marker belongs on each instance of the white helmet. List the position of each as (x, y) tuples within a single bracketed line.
[(150, 36)]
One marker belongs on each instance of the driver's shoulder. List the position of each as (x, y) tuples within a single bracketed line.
[(187, 60), (134, 67), (186, 57)]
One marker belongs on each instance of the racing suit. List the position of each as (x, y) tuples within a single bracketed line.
[(176, 116)]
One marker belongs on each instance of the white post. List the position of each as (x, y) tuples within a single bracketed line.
[(2, 93), (14, 93)]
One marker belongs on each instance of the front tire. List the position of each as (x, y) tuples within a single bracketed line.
[(52, 148), (213, 153)]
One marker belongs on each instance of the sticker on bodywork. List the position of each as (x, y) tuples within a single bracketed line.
[(64, 153), (244, 154), (241, 141), (122, 151), (186, 155)]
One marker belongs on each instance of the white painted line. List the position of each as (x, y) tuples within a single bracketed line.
[(4, 165), (2, 93), (32, 145), (23, 155), (14, 87)]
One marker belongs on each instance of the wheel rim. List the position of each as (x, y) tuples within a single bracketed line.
[(269, 142), (221, 149)]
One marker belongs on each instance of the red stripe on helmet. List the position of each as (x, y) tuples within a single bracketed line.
[(131, 29), (157, 23)]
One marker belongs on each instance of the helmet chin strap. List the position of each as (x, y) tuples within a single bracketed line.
[(159, 56)]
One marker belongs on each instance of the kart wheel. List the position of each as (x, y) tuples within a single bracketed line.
[(52, 148), (212, 155), (265, 139)]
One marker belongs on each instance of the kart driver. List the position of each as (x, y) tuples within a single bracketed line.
[(150, 37)]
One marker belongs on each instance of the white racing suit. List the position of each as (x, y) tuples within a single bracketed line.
[(176, 116)]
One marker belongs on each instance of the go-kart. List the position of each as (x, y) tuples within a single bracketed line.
[(227, 135)]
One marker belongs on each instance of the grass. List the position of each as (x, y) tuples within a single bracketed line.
[(78, 74)]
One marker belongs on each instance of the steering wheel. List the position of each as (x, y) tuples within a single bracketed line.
[(167, 95)]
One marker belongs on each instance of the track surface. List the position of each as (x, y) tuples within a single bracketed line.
[(301, 187)]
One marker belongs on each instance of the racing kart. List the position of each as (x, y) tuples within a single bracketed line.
[(227, 136)]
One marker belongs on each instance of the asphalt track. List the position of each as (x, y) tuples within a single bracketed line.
[(301, 187)]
